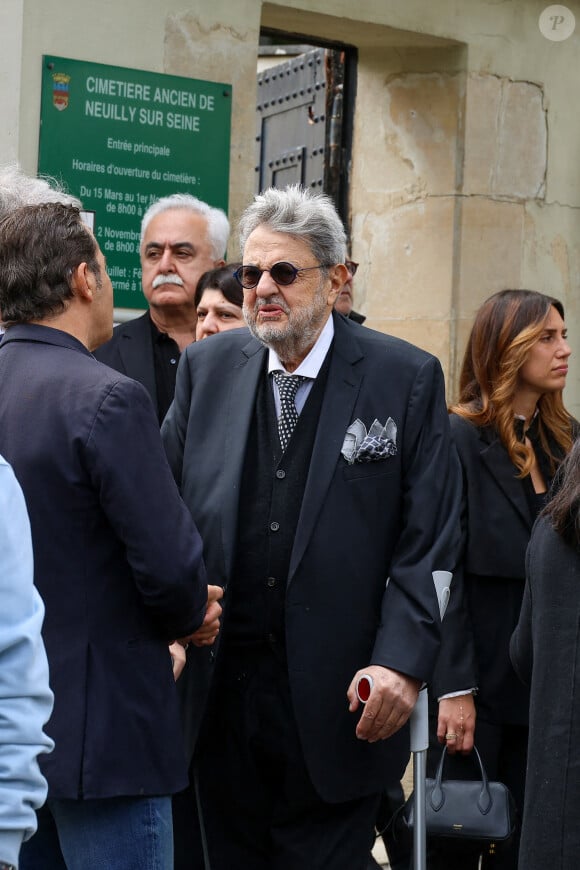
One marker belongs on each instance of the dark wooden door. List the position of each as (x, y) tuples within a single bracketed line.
[(300, 132)]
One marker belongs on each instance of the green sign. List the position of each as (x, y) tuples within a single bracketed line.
[(121, 138)]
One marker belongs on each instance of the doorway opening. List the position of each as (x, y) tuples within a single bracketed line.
[(304, 111)]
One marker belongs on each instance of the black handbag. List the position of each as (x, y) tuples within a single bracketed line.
[(475, 812)]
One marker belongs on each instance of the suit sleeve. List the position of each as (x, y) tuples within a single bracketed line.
[(25, 696), (456, 668), (142, 503), (174, 427), (430, 538)]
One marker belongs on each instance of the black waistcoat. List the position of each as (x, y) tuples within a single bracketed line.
[(271, 494)]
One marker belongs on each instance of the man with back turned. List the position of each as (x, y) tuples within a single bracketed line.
[(117, 558)]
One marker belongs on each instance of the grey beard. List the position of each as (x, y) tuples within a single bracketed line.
[(298, 336), (287, 345)]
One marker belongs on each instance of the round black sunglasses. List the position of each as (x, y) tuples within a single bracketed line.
[(282, 273)]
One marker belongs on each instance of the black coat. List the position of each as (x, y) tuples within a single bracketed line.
[(498, 519), (130, 351), (548, 635)]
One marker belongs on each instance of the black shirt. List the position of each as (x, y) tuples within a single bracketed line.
[(165, 358), (536, 501)]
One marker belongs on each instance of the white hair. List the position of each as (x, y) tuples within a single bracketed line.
[(301, 213), (218, 226), (18, 189)]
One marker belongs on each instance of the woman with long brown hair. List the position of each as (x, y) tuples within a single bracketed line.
[(512, 431)]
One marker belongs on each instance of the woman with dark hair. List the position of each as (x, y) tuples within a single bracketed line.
[(511, 431), (218, 301), (545, 651)]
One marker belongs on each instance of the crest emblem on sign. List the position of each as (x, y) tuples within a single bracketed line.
[(60, 83)]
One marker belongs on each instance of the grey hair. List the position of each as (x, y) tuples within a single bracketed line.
[(218, 226), (18, 189), (301, 213)]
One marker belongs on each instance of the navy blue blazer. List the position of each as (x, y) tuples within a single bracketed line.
[(130, 351), (118, 562), (369, 535)]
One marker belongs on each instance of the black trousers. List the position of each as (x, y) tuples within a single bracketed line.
[(398, 853), (260, 810), (503, 750)]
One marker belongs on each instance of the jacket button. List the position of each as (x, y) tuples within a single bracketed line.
[(274, 527), (271, 582), (280, 474)]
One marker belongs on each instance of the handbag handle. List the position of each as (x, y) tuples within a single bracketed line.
[(437, 798)]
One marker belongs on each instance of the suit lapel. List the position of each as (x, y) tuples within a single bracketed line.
[(137, 364), (340, 396), (495, 458), (238, 419)]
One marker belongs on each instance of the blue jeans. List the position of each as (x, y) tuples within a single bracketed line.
[(129, 833)]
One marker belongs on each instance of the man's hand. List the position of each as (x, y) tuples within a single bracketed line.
[(177, 651), (209, 629), (390, 702), (456, 723), (205, 634)]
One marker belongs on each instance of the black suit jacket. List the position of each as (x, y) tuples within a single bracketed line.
[(498, 521), (498, 514), (117, 560), (130, 351), (360, 587)]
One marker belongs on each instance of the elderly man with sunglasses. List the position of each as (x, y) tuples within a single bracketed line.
[(316, 460)]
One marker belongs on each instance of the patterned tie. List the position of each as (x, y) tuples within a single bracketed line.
[(287, 387)]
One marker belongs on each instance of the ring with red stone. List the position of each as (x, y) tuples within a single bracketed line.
[(364, 687)]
